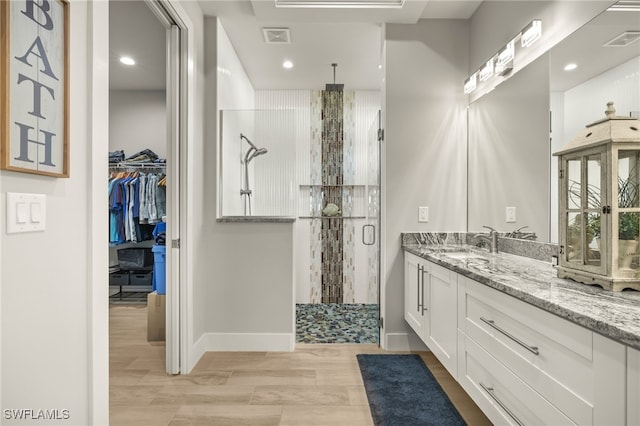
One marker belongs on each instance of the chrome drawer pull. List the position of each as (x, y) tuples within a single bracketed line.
[(424, 307), (533, 349), (500, 403), (418, 287)]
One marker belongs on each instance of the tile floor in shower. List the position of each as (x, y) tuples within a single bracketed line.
[(336, 323)]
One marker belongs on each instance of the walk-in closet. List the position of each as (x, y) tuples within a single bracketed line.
[(137, 179)]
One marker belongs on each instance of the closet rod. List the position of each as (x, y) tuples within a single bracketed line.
[(124, 164)]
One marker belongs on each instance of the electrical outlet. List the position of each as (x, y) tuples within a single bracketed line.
[(511, 215), (423, 214)]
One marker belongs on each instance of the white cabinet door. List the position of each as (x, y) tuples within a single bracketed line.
[(633, 386), (414, 273), (431, 301), (441, 300)]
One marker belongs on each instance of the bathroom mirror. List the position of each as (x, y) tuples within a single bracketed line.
[(514, 129)]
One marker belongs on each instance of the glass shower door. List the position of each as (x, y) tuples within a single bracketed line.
[(371, 228)]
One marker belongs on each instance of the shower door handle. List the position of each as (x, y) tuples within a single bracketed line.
[(373, 234)]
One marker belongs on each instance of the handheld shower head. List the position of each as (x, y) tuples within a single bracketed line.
[(248, 141), (253, 153)]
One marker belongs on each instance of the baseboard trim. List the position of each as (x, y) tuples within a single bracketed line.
[(404, 342), (244, 342)]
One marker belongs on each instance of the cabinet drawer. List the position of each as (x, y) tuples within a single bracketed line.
[(552, 355), (502, 395)]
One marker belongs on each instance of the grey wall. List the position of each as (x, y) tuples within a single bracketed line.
[(137, 121), (424, 154), (244, 271), (509, 153)]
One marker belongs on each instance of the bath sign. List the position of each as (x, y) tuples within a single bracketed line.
[(34, 100)]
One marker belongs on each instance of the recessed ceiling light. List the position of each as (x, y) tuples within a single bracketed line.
[(287, 64), (570, 67), (127, 60)]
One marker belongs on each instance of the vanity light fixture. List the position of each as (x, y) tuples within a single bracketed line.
[(127, 60), (287, 64), (625, 6), (486, 72), (570, 67), (531, 33), (470, 84), (504, 63)]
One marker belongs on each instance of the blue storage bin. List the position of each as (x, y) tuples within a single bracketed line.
[(159, 269)]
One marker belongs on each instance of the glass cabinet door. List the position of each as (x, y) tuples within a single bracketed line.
[(583, 210), (628, 218)]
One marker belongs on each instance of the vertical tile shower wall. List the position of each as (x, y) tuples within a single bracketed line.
[(336, 161), (332, 180)]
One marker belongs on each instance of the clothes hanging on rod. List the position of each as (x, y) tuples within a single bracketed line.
[(136, 201)]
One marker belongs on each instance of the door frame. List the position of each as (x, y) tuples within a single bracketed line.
[(176, 91)]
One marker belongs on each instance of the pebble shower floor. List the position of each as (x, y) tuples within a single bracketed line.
[(336, 323)]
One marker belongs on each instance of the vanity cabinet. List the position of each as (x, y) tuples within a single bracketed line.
[(633, 386), (520, 364), (523, 365), (414, 272), (430, 293)]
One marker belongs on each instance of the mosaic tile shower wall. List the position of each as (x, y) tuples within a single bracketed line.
[(349, 178), (332, 180), (315, 169)]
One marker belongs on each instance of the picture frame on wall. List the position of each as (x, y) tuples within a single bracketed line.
[(34, 75)]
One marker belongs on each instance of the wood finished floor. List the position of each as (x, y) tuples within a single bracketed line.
[(317, 384)]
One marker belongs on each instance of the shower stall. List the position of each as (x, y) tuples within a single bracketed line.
[(314, 155)]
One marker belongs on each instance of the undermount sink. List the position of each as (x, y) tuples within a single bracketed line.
[(466, 255)]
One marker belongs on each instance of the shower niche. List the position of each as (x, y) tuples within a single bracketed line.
[(318, 201), (258, 163)]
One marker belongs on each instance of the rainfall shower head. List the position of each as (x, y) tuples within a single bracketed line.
[(334, 87)]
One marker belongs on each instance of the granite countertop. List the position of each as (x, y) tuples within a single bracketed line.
[(615, 315), (256, 219)]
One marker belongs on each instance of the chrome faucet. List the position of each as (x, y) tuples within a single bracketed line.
[(492, 239), (522, 235)]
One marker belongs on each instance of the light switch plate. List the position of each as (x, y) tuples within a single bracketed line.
[(511, 215), (423, 214), (25, 212)]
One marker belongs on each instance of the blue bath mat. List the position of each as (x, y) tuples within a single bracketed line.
[(402, 392)]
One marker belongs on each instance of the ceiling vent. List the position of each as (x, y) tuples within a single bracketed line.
[(624, 39), (276, 35)]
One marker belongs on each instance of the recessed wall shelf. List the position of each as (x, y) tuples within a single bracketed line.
[(333, 186), (332, 217)]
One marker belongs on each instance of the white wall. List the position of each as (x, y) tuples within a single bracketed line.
[(51, 298), (587, 102), (236, 98), (137, 121), (425, 147)]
